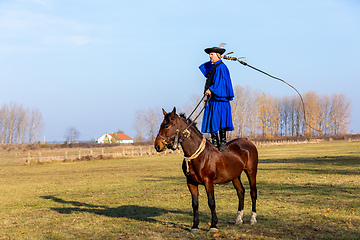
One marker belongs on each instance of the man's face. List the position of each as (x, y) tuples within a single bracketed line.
[(213, 57)]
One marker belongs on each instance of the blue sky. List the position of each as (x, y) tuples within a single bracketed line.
[(91, 64)]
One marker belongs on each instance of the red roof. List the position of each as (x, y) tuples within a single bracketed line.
[(120, 136)]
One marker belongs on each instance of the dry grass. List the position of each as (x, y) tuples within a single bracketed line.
[(305, 191)]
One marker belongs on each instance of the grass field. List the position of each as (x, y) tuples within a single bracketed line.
[(307, 191)]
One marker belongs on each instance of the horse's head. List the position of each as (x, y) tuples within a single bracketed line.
[(168, 136)]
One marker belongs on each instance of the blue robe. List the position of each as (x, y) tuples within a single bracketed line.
[(217, 114)]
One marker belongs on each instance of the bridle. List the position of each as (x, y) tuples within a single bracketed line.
[(174, 143), (175, 139)]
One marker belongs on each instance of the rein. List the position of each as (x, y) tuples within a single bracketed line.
[(195, 154), (196, 107), (186, 132)]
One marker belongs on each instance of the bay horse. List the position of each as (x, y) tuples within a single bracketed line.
[(204, 164)]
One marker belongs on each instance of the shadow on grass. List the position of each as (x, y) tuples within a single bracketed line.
[(135, 212), (341, 165), (303, 225), (298, 210)]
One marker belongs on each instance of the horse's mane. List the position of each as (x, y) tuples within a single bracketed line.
[(188, 120)]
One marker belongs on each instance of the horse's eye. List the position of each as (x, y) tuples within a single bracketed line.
[(167, 126)]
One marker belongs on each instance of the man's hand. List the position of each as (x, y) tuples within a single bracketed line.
[(208, 92)]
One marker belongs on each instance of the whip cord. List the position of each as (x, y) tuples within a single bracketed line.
[(301, 98)]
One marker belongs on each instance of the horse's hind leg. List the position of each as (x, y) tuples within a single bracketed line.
[(241, 194), (253, 192)]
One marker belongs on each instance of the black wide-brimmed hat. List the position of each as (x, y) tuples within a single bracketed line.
[(215, 50)]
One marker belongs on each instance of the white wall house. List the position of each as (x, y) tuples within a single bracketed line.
[(115, 138)]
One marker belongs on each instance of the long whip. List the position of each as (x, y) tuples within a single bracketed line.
[(301, 98)]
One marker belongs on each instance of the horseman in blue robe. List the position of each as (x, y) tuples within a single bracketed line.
[(218, 87)]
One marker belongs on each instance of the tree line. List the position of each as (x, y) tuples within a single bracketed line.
[(257, 113), (19, 124), (260, 114)]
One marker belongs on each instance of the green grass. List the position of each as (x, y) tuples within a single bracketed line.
[(305, 191)]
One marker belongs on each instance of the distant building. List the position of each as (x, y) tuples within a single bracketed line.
[(115, 138)]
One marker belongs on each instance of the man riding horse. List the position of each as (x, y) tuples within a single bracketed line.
[(203, 163), (218, 87)]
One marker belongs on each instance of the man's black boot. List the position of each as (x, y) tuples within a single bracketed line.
[(215, 139), (222, 146)]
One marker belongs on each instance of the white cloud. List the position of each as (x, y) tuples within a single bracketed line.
[(34, 29)]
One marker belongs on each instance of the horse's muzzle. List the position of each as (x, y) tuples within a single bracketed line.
[(162, 143), (158, 148), (159, 144)]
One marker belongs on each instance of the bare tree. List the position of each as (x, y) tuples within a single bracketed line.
[(36, 125), (4, 115), (296, 116), (239, 108), (312, 110), (244, 111), (254, 112), (284, 118), (152, 119), (22, 124), (140, 125), (147, 123), (324, 111), (72, 134), (16, 124), (268, 111), (339, 113), (13, 118)]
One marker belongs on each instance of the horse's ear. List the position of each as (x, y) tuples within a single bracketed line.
[(173, 111), (164, 112)]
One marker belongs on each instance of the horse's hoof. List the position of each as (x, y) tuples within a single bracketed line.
[(253, 218), (239, 221), (239, 217), (214, 230), (194, 230)]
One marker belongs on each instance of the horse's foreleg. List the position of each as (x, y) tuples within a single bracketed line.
[(241, 193), (193, 188), (209, 185)]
